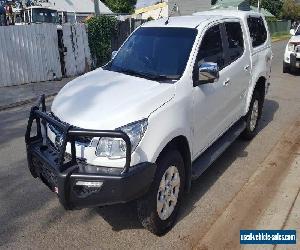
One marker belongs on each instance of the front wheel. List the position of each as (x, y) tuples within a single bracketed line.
[(253, 116), (158, 209), (286, 67)]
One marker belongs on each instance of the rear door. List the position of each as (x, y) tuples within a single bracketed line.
[(261, 51)]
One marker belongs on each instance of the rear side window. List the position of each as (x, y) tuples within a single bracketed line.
[(211, 48), (235, 40), (257, 30)]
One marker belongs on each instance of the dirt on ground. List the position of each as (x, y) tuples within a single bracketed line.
[(248, 207)]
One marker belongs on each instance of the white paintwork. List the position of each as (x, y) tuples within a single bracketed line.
[(107, 100), (29, 53), (287, 53), (181, 22), (292, 32)]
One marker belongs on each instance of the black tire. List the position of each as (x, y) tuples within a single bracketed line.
[(147, 205), (286, 68), (250, 131)]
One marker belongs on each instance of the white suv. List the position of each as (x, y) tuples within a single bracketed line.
[(291, 59), (171, 100)]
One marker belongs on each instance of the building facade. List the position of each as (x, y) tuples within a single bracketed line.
[(162, 8), (188, 7)]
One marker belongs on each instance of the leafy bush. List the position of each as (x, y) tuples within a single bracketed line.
[(120, 6), (290, 10), (101, 30)]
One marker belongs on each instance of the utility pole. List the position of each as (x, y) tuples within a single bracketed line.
[(96, 6), (259, 5)]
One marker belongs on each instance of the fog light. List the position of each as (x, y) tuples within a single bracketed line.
[(91, 184)]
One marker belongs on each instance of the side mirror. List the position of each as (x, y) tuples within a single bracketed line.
[(113, 54), (292, 32), (208, 73)]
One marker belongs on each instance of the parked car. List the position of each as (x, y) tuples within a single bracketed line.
[(291, 61), (171, 100)]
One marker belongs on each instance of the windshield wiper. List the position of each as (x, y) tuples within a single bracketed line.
[(148, 76), (133, 73), (164, 77)]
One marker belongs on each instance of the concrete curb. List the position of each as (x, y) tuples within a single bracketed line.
[(20, 103)]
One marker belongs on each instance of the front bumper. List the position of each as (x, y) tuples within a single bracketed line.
[(68, 176)]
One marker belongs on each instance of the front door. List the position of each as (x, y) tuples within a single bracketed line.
[(210, 100)]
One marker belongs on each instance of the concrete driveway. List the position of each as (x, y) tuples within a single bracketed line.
[(31, 216)]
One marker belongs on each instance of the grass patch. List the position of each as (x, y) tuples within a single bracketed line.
[(280, 36)]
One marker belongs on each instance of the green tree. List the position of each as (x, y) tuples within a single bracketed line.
[(290, 10), (120, 6), (273, 6), (101, 30)]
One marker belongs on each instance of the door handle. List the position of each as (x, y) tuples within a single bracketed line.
[(227, 82), (247, 67)]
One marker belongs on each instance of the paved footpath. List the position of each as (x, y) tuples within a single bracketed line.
[(14, 96)]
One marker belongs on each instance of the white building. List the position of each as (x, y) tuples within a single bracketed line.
[(162, 8), (77, 8)]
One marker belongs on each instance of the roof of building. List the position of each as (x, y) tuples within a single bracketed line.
[(242, 5), (263, 11), (78, 6), (230, 13)]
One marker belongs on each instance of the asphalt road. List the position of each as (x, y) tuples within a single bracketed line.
[(31, 216)]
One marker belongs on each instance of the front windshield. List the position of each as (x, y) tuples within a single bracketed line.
[(155, 53), (41, 15)]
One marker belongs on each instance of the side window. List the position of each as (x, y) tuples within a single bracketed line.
[(235, 40), (257, 30), (211, 48)]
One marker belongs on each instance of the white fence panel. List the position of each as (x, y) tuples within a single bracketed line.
[(77, 56), (29, 54)]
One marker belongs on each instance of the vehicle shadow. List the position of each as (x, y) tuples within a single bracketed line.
[(295, 73), (124, 216)]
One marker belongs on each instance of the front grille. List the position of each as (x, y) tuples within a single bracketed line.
[(84, 141), (48, 176)]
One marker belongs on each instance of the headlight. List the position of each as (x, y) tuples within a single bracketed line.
[(291, 47), (115, 148)]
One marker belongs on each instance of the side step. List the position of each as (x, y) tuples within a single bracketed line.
[(214, 151)]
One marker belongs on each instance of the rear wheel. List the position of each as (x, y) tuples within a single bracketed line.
[(253, 116), (158, 209)]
